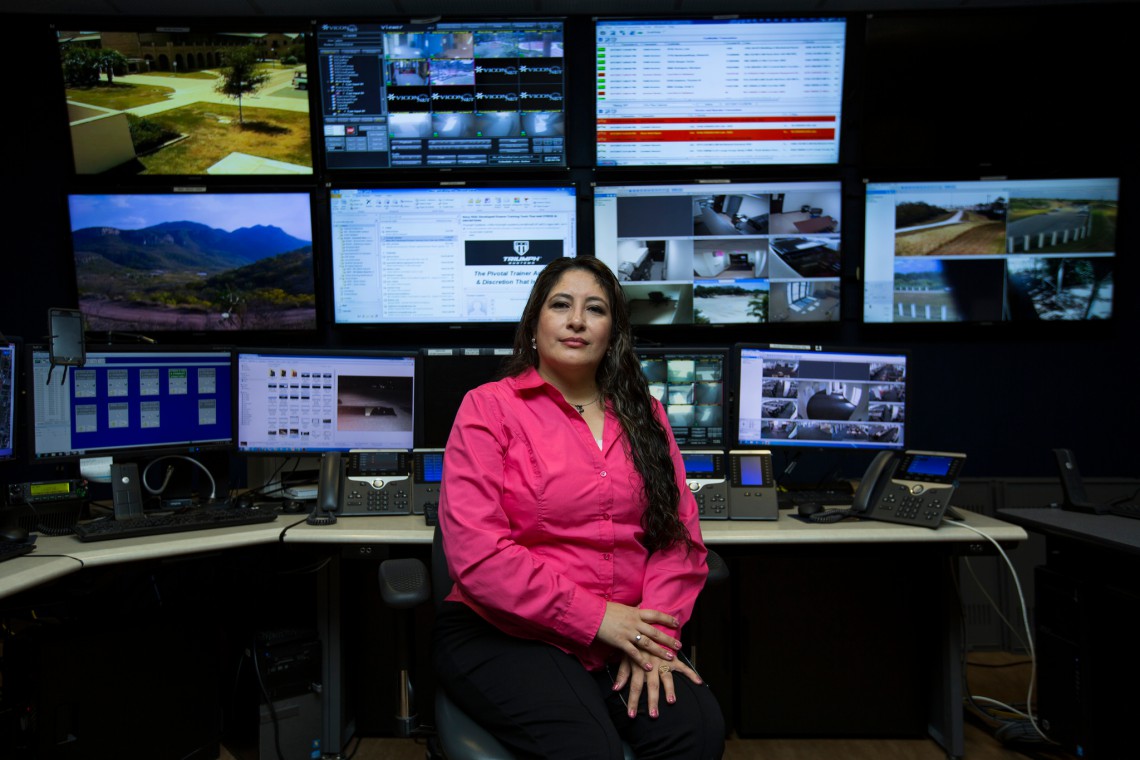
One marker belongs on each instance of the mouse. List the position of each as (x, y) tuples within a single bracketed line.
[(808, 508), (13, 534)]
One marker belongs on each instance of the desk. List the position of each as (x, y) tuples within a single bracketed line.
[(1087, 610), (733, 538)]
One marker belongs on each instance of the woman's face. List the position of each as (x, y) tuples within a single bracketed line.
[(573, 330)]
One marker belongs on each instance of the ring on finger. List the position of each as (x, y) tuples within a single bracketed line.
[(663, 668), (637, 639)]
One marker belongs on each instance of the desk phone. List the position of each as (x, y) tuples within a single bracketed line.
[(909, 487), (705, 475), (751, 486), (427, 474)]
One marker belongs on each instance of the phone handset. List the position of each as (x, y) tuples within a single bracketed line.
[(1073, 486), (328, 490), (874, 480)]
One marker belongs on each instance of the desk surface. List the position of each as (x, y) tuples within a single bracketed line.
[(57, 556), (1110, 531)]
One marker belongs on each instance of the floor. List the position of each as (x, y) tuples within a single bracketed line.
[(1000, 676)]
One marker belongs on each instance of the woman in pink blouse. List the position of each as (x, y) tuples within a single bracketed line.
[(574, 544)]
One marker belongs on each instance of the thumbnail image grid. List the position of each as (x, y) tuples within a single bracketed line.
[(692, 391)]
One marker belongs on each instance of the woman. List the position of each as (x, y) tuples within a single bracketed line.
[(573, 542)]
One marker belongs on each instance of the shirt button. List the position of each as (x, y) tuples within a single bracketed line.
[(606, 597), (605, 515), (606, 557), (603, 473)]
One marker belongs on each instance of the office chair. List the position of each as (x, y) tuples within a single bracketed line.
[(404, 584)]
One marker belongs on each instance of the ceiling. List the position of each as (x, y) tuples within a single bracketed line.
[(429, 8)]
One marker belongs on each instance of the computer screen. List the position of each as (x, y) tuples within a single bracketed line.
[(486, 93), (126, 400), (194, 261), (990, 250), (444, 375), (809, 396), (719, 91), (295, 401), (714, 253), (458, 255), (692, 384), (8, 353), (190, 100)]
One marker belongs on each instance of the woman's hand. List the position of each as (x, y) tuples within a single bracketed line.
[(650, 681), (631, 630)]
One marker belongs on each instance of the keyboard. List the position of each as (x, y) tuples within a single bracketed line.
[(828, 497), (1125, 510), (10, 549), (175, 522)]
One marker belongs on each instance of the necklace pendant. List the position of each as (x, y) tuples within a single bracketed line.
[(581, 409)]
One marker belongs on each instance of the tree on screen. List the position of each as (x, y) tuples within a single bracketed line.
[(240, 76)]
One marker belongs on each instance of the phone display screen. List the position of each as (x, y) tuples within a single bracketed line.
[(751, 471)]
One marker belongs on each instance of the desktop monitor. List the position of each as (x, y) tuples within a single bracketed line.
[(478, 94), (719, 91), (8, 390), (443, 378), (991, 250), (456, 255), (823, 398), (190, 100), (124, 400), (692, 384), (301, 401), (194, 261), (717, 253)]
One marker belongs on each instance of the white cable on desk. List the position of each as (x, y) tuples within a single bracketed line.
[(192, 460), (1028, 714)]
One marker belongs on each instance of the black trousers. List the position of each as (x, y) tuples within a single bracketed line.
[(542, 703)]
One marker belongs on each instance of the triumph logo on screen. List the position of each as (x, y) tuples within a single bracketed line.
[(521, 247)]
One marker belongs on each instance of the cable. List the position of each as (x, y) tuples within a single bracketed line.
[(170, 472), (995, 605), (1028, 714)]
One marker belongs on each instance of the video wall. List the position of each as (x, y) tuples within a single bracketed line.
[(287, 176)]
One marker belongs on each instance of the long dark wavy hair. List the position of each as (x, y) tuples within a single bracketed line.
[(620, 379)]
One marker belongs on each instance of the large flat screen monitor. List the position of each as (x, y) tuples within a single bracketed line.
[(194, 261), (444, 375), (442, 94), (990, 250), (131, 400), (8, 354), (725, 91), (295, 401), (802, 396), (187, 100), (693, 385), (723, 253), (456, 255)]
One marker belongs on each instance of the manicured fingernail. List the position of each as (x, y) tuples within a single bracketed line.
[(668, 655), (652, 713), (671, 698), (632, 714), (647, 666)]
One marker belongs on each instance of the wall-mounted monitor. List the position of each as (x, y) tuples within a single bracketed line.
[(461, 254), (194, 261), (192, 100), (719, 91), (693, 385), (131, 400), (442, 94), (444, 375), (823, 398), (299, 401), (717, 253), (8, 390), (990, 250)]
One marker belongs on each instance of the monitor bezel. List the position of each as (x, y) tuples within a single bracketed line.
[(845, 104), (310, 353), (737, 352), (521, 183), (146, 451), (18, 382)]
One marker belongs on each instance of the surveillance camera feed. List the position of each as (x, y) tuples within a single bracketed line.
[(990, 251)]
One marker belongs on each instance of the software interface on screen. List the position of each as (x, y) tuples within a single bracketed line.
[(690, 384), (452, 254), (194, 261), (122, 401), (459, 95), (720, 253), (313, 402), (719, 92), (7, 399), (990, 250), (800, 397), (187, 101)]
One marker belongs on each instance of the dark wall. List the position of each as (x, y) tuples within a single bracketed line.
[(973, 93)]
